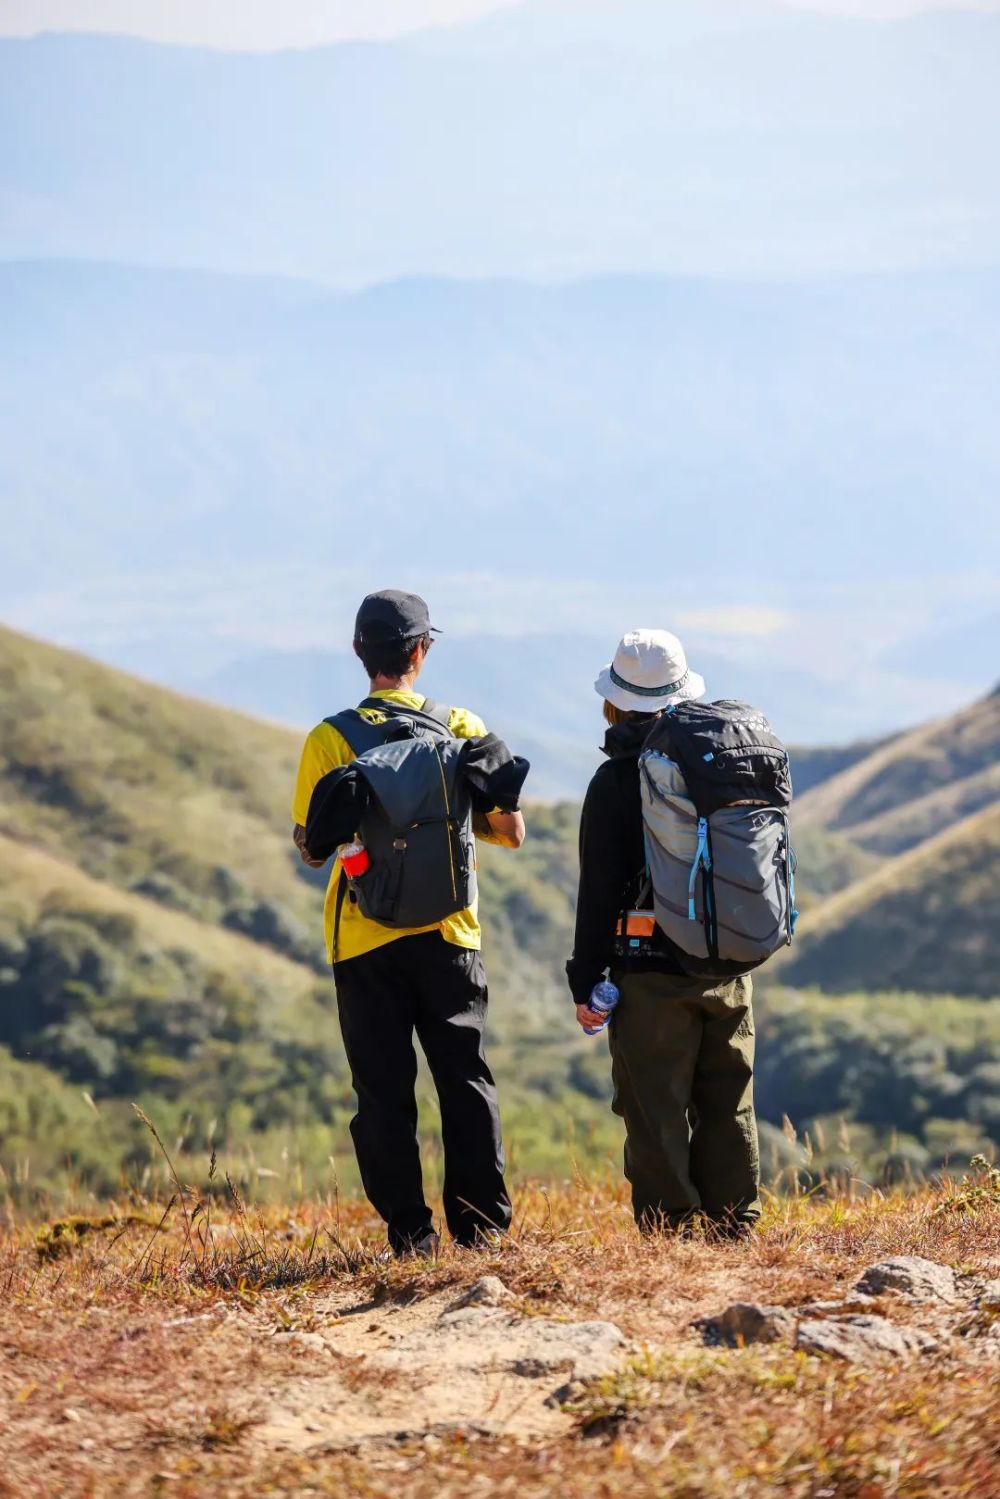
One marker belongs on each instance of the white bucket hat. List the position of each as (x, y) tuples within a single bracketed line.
[(649, 672)]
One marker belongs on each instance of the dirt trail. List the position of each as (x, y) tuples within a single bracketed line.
[(473, 1362)]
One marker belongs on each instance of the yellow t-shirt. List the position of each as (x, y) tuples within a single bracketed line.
[(326, 748)]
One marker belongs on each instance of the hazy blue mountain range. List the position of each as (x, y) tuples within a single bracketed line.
[(173, 417), (199, 470), (550, 141)]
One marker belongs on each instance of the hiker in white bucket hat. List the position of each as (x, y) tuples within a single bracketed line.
[(649, 673), (681, 1046)]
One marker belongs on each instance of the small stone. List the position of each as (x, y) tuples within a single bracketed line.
[(310, 1340), (69, 1414), (910, 1275), (988, 1297), (747, 1322), (488, 1290), (862, 1339)]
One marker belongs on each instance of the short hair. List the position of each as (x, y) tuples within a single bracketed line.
[(613, 715), (389, 658)]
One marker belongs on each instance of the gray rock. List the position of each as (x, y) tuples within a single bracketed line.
[(909, 1275), (862, 1339), (747, 1322), (477, 1339), (488, 1290), (988, 1297), (984, 1324)]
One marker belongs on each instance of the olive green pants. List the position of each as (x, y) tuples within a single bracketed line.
[(682, 1065)]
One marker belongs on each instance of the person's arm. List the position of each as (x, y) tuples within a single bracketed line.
[(492, 772), (504, 829), (320, 754), (604, 876)]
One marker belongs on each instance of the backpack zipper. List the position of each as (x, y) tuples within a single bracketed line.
[(752, 749), (448, 821), (790, 867)]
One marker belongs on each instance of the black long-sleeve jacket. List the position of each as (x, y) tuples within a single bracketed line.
[(612, 864)]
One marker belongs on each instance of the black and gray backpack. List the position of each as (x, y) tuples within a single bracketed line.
[(716, 789), (417, 826)]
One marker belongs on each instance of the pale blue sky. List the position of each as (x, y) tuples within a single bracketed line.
[(266, 24)]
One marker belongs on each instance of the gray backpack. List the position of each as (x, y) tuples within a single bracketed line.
[(418, 824), (716, 788)]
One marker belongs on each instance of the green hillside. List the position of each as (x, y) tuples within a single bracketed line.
[(913, 785), (151, 791), (186, 805), (811, 765), (927, 920), (160, 943), (906, 825)]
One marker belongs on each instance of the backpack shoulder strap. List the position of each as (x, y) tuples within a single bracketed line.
[(360, 735), (432, 715), (434, 710)]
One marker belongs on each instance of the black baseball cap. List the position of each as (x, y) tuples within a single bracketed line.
[(391, 615)]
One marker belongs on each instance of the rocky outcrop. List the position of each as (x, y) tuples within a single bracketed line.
[(861, 1339), (911, 1276), (855, 1328)]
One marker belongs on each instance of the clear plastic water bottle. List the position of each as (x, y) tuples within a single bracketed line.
[(603, 998)]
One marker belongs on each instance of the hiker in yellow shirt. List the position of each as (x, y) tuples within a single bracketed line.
[(392, 981)]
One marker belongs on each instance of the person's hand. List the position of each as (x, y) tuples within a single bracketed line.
[(299, 839), (588, 1018)]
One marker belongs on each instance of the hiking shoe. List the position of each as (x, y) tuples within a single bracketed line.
[(487, 1241), (731, 1230), (427, 1247)]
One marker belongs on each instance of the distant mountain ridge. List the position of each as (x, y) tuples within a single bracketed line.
[(916, 784), (497, 148), (928, 919), (239, 430), (929, 916)]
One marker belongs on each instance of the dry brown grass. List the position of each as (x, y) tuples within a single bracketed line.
[(140, 1361)]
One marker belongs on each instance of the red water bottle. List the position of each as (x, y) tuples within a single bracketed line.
[(354, 859)]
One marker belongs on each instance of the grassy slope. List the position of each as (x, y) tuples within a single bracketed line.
[(108, 783), (903, 771), (143, 788), (903, 827), (128, 780), (813, 765), (179, 1371), (928, 920), (33, 880)]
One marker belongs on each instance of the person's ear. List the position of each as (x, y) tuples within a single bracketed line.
[(354, 648)]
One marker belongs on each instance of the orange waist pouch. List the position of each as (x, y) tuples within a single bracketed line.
[(634, 932)]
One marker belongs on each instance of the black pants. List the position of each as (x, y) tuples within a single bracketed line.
[(430, 986)]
